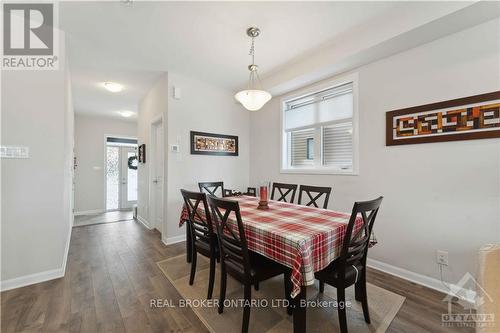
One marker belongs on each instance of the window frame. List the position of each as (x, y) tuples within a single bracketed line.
[(285, 147)]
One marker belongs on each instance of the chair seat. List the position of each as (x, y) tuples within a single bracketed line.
[(331, 275), (261, 269)]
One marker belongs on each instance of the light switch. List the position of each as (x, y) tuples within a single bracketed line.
[(14, 152), (177, 93)]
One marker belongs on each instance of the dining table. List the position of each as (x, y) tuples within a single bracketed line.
[(305, 239)]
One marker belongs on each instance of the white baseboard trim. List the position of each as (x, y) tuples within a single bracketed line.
[(27, 280), (90, 212), (420, 279), (173, 240), (144, 222)]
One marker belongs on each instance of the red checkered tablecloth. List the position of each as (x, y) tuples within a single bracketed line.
[(306, 239)]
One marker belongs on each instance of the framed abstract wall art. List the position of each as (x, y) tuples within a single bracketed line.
[(213, 144), (468, 118)]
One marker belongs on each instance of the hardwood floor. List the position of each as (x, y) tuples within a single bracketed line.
[(111, 277), (422, 309), (108, 217)]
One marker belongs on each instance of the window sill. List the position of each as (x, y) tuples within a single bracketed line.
[(319, 171)]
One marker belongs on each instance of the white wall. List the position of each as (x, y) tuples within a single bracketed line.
[(90, 132), (203, 107), (152, 106), (36, 201), (438, 195)]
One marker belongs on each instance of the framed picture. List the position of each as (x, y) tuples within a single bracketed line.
[(213, 144), (468, 118), (142, 153)]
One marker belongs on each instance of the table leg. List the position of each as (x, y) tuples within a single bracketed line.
[(299, 312), (189, 248)]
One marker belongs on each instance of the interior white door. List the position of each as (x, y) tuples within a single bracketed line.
[(128, 174), (157, 176)]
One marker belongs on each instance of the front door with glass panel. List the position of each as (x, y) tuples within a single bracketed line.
[(129, 177), (121, 177)]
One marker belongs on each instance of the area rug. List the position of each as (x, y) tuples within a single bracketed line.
[(268, 315)]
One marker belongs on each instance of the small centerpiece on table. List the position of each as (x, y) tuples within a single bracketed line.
[(264, 196)]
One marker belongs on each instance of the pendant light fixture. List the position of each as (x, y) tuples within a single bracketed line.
[(253, 98)]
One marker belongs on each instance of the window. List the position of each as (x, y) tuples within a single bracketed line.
[(318, 131), (310, 148), (300, 147)]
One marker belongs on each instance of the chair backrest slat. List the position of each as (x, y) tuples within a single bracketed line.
[(231, 233), (200, 231), (286, 192), (212, 188), (314, 193), (357, 236), (233, 250)]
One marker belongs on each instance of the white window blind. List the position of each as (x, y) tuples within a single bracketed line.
[(337, 146), (299, 147), (323, 107)]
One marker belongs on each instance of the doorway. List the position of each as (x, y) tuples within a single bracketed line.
[(157, 173), (121, 173)]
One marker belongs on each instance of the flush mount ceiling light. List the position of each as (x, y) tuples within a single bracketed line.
[(126, 113), (253, 98), (113, 86)]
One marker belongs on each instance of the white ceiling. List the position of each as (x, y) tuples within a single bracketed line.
[(133, 43), (90, 97)]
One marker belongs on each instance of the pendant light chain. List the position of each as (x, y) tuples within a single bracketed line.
[(254, 80), (252, 51)]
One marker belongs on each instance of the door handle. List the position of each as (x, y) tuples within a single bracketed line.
[(155, 181)]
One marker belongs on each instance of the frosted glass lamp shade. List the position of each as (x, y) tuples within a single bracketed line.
[(253, 100)]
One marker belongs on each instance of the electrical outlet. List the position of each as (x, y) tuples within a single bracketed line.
[(442, 257)]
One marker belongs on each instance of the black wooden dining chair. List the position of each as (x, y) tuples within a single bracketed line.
[(350, 268), (251, 191), (212, 188), (202, 236), (286, 192), (314, 194), (249, 268)]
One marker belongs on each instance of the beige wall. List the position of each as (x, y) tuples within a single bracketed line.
[(437, 196), (90, 133)]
